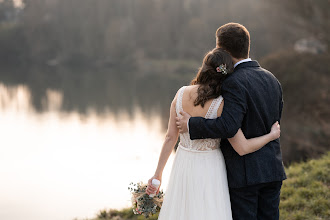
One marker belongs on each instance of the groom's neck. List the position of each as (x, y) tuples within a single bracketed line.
[(235, 60)]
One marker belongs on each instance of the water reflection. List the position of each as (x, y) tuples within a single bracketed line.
[(62, 165), (101, 90)]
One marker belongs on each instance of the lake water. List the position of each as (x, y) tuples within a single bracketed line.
[(59, 165)]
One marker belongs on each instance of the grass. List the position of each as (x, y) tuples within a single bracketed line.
[(305, 194)]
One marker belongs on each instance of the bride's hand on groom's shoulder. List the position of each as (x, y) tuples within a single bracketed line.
[(275, 130), (152, 189)]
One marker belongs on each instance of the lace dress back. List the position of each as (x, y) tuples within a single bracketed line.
[(202, 144), (198, 186)]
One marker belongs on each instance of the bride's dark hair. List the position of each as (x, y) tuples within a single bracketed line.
[(208, 78)]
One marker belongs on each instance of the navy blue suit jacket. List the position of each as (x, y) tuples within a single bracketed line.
[(253, 102)]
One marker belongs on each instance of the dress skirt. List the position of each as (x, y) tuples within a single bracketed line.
[(197, 188)]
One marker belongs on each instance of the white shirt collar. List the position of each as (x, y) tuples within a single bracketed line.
[(242, 61)]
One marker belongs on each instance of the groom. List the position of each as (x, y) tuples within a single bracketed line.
[(253, 102)]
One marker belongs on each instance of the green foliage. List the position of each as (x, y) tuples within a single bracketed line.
[(312, 17), (110, 32), (305, 194), (305, 80), (124, 214)]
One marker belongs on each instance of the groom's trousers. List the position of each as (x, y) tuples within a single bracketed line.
[(256, 202)]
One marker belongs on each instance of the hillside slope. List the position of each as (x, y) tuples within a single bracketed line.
[(305, 194)]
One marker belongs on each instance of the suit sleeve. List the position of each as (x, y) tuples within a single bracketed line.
[(231, 118)]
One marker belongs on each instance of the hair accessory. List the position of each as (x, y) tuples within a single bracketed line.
[(222, 69)]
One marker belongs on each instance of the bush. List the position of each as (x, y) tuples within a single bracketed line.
[(305, 80), (305, 194)]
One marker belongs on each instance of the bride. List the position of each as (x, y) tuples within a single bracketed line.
[(198, 187)]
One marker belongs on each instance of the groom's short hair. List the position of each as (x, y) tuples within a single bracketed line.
[(235, 39)]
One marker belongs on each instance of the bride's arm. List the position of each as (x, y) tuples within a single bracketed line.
[(245, 146), (171, 138)]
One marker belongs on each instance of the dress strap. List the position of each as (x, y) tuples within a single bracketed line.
[(179, 100), (213, 109)]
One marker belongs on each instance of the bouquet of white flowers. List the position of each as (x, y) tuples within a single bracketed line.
[(142, 203)]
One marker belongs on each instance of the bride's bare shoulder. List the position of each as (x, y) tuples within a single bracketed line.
[(190, 94), (192, 89)]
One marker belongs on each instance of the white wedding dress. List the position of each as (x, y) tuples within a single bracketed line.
[(198, 188)]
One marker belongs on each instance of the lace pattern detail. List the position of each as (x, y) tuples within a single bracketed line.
[(202, 144)]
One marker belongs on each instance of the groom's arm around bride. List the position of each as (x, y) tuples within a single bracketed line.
[(253, 102)]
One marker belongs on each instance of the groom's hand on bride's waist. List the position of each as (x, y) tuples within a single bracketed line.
[(182, 122)]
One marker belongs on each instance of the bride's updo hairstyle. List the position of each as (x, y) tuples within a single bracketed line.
[(211, 75)]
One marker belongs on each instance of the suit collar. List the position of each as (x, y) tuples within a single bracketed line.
[(252, 63)]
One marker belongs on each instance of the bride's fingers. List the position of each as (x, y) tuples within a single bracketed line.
[(150, 191), (151, 188)]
